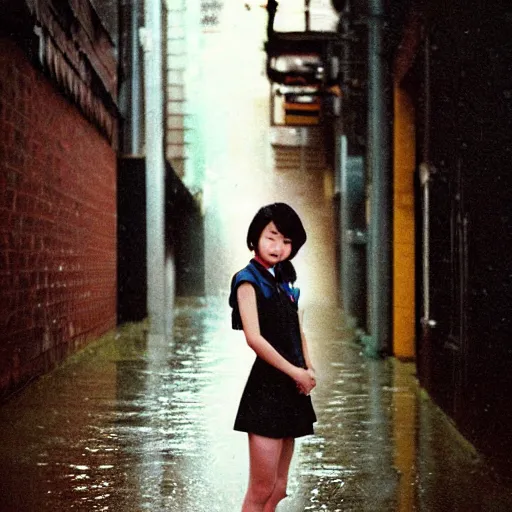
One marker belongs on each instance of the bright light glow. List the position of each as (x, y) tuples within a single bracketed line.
[(240, 176)]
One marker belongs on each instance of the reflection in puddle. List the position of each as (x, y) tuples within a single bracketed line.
[(128, 426)]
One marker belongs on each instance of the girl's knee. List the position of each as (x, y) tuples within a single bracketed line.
[(278, 494), (280, 489), (261, 491)]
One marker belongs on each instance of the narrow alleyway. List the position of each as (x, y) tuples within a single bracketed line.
[(242, 168), (134, 424), (137, 423)]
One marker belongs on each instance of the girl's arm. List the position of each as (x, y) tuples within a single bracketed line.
[(305, 350), (249, 314)]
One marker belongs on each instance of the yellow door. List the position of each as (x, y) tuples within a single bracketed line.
[(403, 225)]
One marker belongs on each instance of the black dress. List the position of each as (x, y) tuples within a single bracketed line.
[(271, 404)]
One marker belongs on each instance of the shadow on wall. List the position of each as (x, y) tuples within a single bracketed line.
[(184, 231)]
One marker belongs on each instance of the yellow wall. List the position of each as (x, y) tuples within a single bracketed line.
[(403, 225)]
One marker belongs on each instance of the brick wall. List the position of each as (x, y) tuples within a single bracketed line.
[(57, 225)]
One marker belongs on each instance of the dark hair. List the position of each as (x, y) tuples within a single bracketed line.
[(287, 222)]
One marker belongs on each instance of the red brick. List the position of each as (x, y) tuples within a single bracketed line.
[(57, 223)]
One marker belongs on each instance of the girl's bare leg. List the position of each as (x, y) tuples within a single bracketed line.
[(265, 454), (279, 491)]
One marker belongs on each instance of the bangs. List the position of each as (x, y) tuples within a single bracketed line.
[(286, 220)]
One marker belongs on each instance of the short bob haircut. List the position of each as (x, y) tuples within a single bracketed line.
[(287, 222)]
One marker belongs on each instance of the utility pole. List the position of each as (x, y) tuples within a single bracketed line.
[(379, 170), (151, 40)]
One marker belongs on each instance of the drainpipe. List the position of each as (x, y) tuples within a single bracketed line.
[(428, 324), (136, 93), (425, 183), (353, 236), (130, 73), (378, 340), (151, 40)]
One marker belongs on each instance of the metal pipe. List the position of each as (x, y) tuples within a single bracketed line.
[(424, 180), (426, 187), (425, 183), (130, 78), (379, 260), (151, 38), (135, 110)]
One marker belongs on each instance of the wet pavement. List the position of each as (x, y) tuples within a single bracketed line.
[(138, 423)]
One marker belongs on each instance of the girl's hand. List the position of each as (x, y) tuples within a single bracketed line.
[(305, 380), (311, 373)]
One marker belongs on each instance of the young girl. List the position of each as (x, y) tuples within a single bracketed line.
[(275, 407)]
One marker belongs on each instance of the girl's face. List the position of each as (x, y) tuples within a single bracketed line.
[(273, 246)]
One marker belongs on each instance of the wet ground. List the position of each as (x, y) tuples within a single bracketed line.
[(138, 423)]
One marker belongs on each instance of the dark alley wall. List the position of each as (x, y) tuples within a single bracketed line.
[(132, 240), (57, 224), (465, 358), (184, 238)]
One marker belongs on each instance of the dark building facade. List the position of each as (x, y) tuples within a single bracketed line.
[(58, 125), (449, 99), (452, 64)]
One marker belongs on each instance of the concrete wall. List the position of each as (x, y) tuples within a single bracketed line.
[(57, 224)]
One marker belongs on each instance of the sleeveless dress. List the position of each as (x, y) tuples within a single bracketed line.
[(271, 404)]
